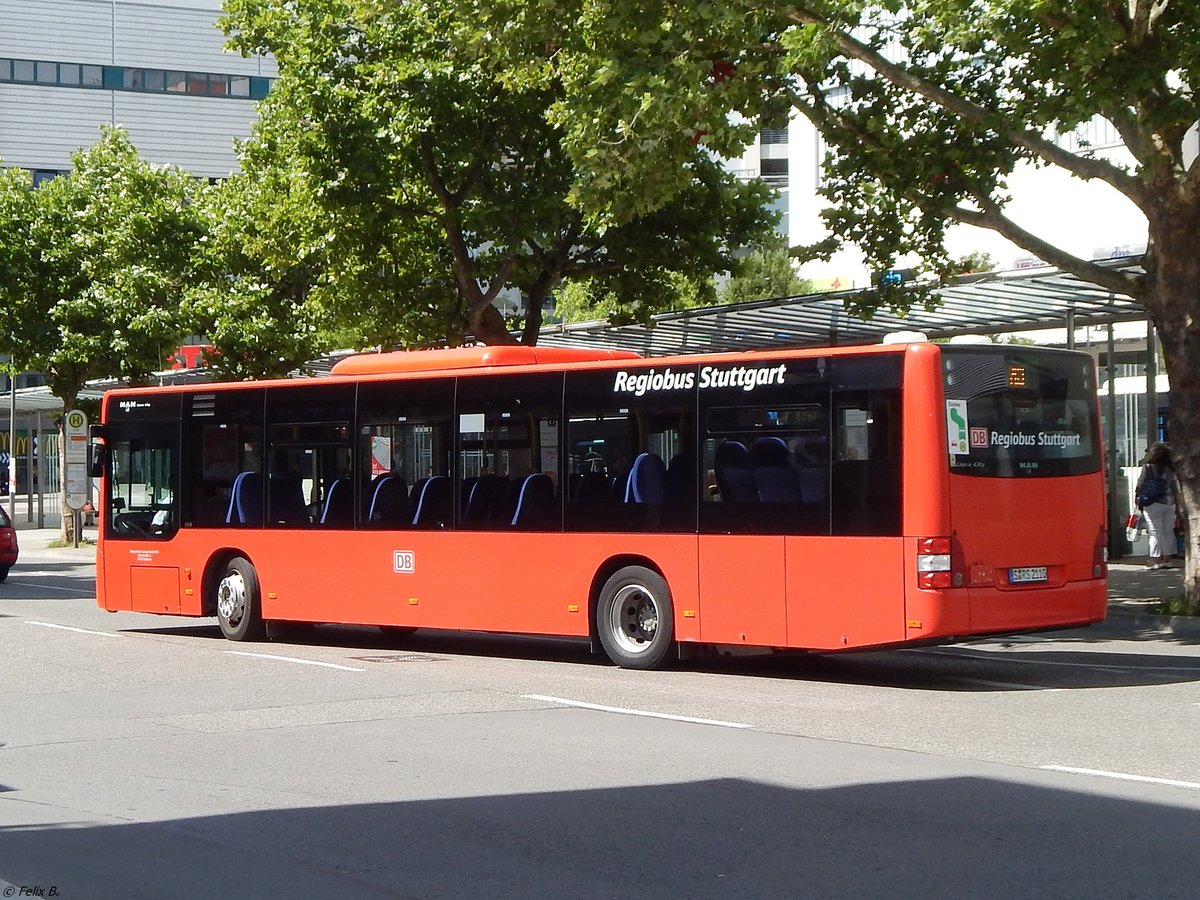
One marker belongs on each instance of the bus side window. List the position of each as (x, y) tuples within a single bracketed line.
[(866, 471)]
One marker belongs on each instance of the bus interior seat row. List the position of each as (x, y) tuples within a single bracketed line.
[(764, 473)]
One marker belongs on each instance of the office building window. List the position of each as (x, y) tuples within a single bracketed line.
[(127, 78), (774, 172)]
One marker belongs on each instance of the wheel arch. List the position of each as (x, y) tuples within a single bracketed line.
[(213, 570), (605, 571)]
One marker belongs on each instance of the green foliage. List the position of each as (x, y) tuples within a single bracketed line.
[(765, 273), (971, 263), (96, 263), (603, 298), (426, 154)]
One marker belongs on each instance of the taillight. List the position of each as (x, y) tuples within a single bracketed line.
[(1100, 555), (936, 564)]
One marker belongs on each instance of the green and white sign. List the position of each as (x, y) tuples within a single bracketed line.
[(75, 433), (956, 426)]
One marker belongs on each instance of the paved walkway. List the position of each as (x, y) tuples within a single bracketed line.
[(1133, 590)]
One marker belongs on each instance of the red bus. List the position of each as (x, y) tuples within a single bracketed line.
[(811, 499)]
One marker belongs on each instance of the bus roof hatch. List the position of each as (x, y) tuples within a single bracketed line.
[(470, 358)]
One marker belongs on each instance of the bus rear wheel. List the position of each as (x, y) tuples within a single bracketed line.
[(239, 607), (634, 618)]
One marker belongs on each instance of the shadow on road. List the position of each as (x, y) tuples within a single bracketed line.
[(991, 666), (946, 838)]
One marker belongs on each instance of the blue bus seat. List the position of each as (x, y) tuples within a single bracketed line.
[(245, 500), (339, 504), (389, 501), (434, 502), (735, 480), (647, 480), (535, 502), (774, 477)]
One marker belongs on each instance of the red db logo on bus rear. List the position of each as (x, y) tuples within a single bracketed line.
[(404, 561), (979, 437)]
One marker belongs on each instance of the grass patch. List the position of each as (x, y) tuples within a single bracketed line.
[(59, 543), (1175, 606)]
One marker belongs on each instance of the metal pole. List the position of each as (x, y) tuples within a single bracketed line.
[(1151, 384), (41, 471), (29, 469), (1070, 327), (1115, 534)]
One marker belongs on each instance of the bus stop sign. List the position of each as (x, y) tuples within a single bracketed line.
[(75, 433)]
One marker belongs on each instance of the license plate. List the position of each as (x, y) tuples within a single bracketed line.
[(1027, 575)]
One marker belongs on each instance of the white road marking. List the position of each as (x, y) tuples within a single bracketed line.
[(293, 659), (634, 712), (38, 586), (78, 630), (1122, 776)]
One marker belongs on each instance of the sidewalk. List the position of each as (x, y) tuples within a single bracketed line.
[(1133, 590)]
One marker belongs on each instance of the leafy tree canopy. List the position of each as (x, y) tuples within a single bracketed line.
[(763, 274), (96, 265), (409, 133)]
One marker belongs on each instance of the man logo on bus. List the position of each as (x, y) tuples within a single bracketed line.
[(979, 437)]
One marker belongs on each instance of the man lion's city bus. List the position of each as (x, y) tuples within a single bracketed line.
[(822, 500)]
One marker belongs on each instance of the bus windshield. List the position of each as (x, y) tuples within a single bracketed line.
[(1012, 412)]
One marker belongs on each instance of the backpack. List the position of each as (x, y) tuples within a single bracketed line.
[(1154, 489)]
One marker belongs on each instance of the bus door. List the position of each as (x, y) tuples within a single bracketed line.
[(845, 561), (764, 446)]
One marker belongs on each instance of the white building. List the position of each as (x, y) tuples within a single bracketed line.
[(1088, 219), (156, 67)]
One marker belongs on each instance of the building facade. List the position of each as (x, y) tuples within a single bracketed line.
[(156, 67)]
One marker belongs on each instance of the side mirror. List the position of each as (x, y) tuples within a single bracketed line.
[(99, 459)]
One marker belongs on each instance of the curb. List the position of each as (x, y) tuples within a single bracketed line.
[(1119, 619)]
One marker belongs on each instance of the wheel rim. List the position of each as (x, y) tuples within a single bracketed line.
[(633, 619), (231, 598)]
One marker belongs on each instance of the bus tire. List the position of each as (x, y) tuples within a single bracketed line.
[(239, 603), (3, 572), (635, 620)]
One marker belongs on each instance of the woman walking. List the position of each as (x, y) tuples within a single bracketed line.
[(1157, 496)]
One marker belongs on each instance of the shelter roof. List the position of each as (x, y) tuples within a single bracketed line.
[(993, 303)]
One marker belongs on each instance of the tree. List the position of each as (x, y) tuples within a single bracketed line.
[(763, 274), (929, 106), (594, 299), (96, 265), (406, 130)]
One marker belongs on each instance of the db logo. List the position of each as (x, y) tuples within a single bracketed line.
[(404, 561), (979, 437)]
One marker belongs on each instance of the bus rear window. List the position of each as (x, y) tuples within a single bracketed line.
[(1014, 412)]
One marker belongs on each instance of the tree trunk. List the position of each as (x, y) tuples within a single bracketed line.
[(1173, 300), (67, 515), (486, 323)]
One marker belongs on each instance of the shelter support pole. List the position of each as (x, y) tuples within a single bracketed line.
[(29, 469), (1070, 327), (1151, 384), (1116, 533), (41, 473)]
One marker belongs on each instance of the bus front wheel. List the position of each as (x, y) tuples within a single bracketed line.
[(239, 608), (634, 618)]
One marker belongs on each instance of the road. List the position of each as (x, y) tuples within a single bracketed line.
[(147, 757)]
